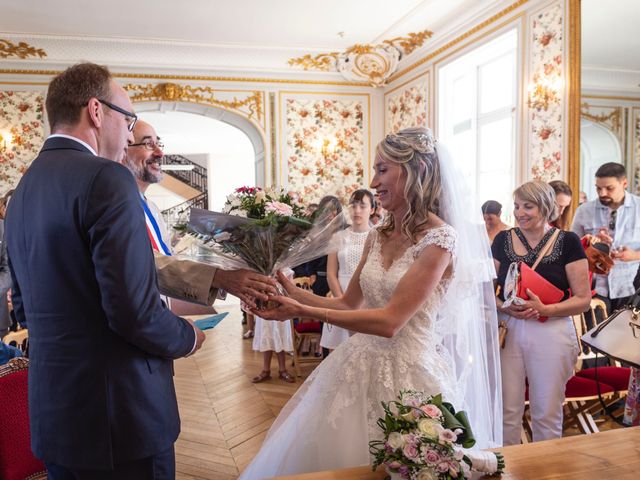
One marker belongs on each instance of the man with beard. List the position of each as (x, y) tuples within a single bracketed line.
[(182, 279), (614, 218)]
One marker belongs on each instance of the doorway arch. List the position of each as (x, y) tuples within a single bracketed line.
[(245, 125)]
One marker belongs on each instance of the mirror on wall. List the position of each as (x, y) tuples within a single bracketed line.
[(610, 91)]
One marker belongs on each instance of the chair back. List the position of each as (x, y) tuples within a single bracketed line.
[(16, 459), (18, 339)]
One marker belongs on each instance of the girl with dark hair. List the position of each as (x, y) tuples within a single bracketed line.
[(342, 263)]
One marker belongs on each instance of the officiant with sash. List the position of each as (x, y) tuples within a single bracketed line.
[(542, 281), (183, 279)]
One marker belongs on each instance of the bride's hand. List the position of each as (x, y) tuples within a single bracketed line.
[(287, 309), (286, 283)]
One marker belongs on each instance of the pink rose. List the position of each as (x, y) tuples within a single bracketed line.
[(411, 452), (279, 208), (432, 457), (443, 466), (447, 436), (432, 411)]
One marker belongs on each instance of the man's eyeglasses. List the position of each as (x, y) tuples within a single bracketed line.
[(131, 118), (149, 145), (612, 219)]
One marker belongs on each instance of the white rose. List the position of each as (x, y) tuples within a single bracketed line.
[(429, 428), (395, 440), (426, 474), (261, 196), (236, 202)]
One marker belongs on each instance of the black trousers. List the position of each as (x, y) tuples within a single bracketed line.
[(161, 466)]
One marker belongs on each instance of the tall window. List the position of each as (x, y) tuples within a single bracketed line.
[(477, 117)]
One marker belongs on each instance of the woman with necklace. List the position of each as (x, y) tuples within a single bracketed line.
[(541, 345)]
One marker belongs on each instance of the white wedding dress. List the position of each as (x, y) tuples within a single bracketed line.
[(329, 422)]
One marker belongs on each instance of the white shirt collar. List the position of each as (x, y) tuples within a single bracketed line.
[(85, 144)]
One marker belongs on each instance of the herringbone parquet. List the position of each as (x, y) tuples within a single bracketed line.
[(225, 417)]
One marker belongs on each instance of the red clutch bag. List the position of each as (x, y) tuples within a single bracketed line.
[(545, 290)]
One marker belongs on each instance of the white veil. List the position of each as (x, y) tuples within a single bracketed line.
[(467, 320)]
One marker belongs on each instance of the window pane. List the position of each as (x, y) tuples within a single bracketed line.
[(462, 99), (495, 145), (496, 82)]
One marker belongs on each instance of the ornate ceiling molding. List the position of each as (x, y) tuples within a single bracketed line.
[(20, 50), (173, 92), (371, 63)]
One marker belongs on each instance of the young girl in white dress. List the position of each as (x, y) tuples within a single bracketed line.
[(420, 299), (273, 337), (342, 263)]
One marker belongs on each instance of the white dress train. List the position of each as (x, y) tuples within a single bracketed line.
[(329, 422)]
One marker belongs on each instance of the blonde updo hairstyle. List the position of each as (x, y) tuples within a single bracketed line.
[(540, 194), (414, 149)]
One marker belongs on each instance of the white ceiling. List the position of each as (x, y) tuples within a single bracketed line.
[(255, 35), (611, 45)]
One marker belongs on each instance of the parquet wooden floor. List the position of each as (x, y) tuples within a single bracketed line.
[(224, 416)]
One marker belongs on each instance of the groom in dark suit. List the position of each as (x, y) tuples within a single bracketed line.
[(102, 402)]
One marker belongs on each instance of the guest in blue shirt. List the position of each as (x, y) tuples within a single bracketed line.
[(614, 218)]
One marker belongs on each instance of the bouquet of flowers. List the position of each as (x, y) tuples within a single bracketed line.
[(425, 439), (261, 230)]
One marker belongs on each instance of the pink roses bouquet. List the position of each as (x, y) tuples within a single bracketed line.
[(426, 439)]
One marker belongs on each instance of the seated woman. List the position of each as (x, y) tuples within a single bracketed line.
[(540, 352)]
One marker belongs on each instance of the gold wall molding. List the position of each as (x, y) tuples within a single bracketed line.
[(615, 116), (611, 97), (574, 79), (202, 78), (21, 50), (173, 92), (459, 39), (372, 63)]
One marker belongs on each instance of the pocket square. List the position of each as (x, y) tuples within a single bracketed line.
[(210, 322)]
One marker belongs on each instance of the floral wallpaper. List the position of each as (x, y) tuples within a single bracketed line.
[(407, 106), (546, 72), (325, 147), (21, 125)]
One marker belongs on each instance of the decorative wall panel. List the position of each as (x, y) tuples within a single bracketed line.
[(22, 129), (406, 106), (546, 97), (324, 144)]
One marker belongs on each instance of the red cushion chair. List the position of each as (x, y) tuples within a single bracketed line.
[(617, 377), (579, 387), (308, 326), (16, 459)]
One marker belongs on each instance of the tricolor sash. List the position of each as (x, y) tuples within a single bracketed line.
[(153, 230)]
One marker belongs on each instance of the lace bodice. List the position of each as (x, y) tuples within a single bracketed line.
[(378, 283), (350, 252)]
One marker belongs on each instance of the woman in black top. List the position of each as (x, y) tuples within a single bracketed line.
[(540, 352)]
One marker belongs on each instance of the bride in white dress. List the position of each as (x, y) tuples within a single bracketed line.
[(412, 334)]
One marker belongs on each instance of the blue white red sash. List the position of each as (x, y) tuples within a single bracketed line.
[(153, 230)]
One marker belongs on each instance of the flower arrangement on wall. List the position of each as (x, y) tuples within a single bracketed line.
[(325, 147), (407, 107), (545, 94), (23, 134)]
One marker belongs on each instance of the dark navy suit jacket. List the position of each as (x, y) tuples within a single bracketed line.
[(101, 343)]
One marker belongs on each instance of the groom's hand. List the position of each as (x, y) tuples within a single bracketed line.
[(245, 284)]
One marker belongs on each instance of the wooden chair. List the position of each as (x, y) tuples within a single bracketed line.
[(16, 459), (302, 330), (18, 339)]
